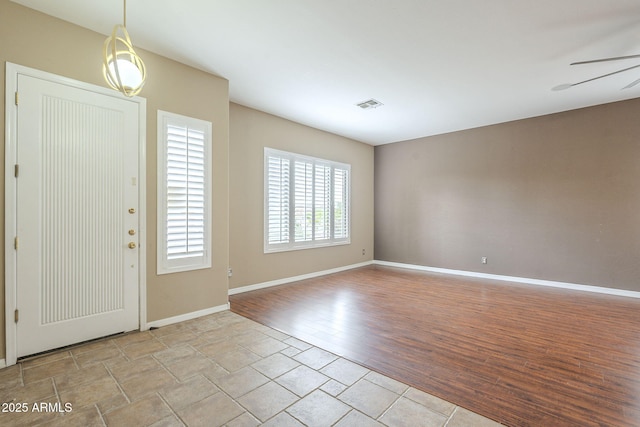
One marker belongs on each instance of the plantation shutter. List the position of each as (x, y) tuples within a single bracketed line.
[(184, 193), (306, 202), (341, 203), (278, 182), (322, 202), (303, 190)]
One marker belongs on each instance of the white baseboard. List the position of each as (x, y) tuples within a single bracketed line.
[(268, 284), (3, 363), (564, 285), (187, 316)]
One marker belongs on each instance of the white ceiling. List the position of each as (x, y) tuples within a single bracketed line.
[(437, 66)]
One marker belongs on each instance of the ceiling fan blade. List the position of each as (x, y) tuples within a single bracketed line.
[(568, 85), (615, 58), (632, 84)]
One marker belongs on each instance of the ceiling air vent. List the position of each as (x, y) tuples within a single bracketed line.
[(371, 103)]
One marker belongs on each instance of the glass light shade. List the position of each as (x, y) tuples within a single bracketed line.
[(130, 75)]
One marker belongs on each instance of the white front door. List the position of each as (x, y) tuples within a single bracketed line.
[(77, 218)]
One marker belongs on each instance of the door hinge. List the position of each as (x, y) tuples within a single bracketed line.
[(17, 98), (16, 315), (15, 243), (16, 169)]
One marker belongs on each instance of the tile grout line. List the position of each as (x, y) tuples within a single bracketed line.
[(152, 355), (171, 409), (117, 385), (104, 422), (75, 362), (21, 367), (451, 416), (344, 416), (236, 402), (121, 350), (250, 414), (55, 390), (390, 406)]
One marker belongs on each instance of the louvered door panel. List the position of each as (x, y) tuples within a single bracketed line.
[(82, 206)]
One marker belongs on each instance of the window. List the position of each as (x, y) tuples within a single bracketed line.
[(306, 202), (184, 193)]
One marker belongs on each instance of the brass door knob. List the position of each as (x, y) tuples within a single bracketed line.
[(132, 211), (132, 245)]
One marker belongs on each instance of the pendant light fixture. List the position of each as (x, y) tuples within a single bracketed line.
[(123, 69)]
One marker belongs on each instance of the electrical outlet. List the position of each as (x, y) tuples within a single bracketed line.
[(363, 252), (483, 259), (229, 272)]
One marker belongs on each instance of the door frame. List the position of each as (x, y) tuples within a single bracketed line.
[(10, 257)]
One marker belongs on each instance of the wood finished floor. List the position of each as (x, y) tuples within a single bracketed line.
[(521, 355)]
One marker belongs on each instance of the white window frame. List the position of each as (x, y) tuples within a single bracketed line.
[(166, 265), (292, 244)]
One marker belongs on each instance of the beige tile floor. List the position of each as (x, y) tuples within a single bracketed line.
[(218, 370)]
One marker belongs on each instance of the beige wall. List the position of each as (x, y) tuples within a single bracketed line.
[(553, 197), (38, 41), (251, 131)]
